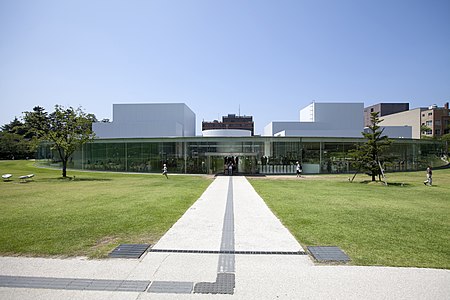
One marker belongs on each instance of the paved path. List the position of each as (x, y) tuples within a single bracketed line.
[(229, 220)]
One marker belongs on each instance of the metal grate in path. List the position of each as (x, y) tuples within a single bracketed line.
[(237, 252), (129, 251), (328, 253)]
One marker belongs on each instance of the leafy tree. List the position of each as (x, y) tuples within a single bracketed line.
[(446, 141), (65, 128), (425, 131), (369, 155)]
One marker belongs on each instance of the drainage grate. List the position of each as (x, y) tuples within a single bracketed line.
[(171, 287), (328, 253), (129, 251), (229, 252)]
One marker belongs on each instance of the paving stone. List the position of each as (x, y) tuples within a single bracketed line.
[(225, 284), (172, 287), (73, 283)]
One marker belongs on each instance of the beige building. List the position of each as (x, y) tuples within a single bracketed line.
[(436, 119), (405, 118)]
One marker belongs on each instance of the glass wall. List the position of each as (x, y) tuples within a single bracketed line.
[(250, 155)]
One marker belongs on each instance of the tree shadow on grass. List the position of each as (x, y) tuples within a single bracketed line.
[(401, 184), (62, 179)]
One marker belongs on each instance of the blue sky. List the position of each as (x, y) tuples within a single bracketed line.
[(270, 58)]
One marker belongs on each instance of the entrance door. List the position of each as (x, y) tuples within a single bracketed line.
[(244, 163)]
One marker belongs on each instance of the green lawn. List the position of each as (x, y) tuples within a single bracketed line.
[(91, 214), (403, 224)]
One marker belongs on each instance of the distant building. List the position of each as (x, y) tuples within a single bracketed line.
[(148, 120), (405, 118), (434, 119), (383, 109), (231, 125)]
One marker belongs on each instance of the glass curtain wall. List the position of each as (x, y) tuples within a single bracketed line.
[(250, 155)]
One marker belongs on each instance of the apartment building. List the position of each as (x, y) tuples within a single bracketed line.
[(230, 122)]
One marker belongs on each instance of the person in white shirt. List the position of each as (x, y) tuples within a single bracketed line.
[(165, 171), (299, 169)]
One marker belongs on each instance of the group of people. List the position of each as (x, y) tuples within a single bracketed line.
[(230, 165)]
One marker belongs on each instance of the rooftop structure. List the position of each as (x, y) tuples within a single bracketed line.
[(147, 120), (230, 122), (322, 120)]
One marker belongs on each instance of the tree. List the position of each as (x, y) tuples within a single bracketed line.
[(15, 141), (425, 131), (446, 140), (368, 156), (66, 129)]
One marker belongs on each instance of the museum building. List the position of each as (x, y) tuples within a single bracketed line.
[(142, 137)]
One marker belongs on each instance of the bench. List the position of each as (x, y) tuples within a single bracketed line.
[(25, 177)]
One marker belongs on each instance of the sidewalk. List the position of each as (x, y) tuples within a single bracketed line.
[(230, 221)]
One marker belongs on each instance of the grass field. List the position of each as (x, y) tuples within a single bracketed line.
[(91, 214), (402, 224)]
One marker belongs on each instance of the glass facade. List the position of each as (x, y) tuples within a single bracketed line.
[(250, 155)]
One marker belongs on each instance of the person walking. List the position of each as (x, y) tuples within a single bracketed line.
[(299, 169), (429, 180), (165, 171)]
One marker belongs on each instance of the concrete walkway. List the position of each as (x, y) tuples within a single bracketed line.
[(230, 221)]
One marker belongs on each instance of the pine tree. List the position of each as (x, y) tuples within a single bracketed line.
[(369, 155)]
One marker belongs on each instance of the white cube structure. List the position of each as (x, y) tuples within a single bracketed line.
[(147, 120), (323, 120)]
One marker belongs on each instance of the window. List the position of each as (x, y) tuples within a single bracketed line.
[(437, 122), (437, 132), (430, 113), (429, 123)]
